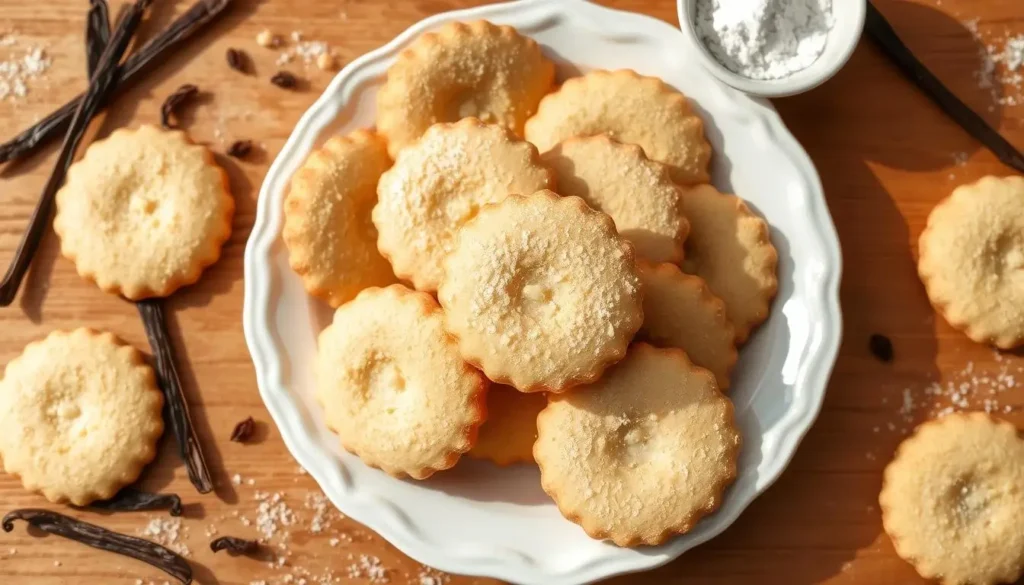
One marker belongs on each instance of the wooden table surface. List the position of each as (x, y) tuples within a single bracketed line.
[(885, 155)]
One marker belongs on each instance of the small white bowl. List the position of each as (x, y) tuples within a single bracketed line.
[(848, 17)]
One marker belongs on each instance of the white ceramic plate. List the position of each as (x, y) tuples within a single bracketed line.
[(476, 518)]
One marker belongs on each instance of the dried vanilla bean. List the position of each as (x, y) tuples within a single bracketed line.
[(132, 500), (100, 538), (180, 420)]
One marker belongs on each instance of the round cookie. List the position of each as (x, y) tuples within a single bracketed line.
[(440, 183), (636, 192), (462, 70), (730, 248), (392, 384), (144, 212), (332, 243), (680, 311), (972, 260), (541, 292), (630, 108), (643, 453), (952, 500), (79, 416), (511, 428)]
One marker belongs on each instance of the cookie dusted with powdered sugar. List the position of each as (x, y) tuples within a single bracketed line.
[(636, 192), (462, 70), (144, 212), (393, 386), (952, 500), (630, 108), (541, 292), (972, 260), (332, 243), (731, 249), (641, 454), (79, 416)]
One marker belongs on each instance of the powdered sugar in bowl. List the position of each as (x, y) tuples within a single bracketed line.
[(772, 48)]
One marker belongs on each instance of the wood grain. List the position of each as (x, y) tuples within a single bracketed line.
[(886, 156)]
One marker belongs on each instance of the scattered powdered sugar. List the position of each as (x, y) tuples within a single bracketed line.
[(1002, 59), (765, 39), (20, 67), (316, 53), (368, 567), (966, 390), (169, 532)]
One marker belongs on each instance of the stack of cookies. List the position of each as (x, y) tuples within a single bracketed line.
[(530, 274)]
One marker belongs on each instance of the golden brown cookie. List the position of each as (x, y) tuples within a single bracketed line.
[(630, 108), (462, 70), (972, 260), (79, 416), (511, 428), (952, 500), (332, 244), (392, 384), (144, 212), (541, 292), (680, 311), (730, 248), (643, 453), (636, 192), (440, 183)]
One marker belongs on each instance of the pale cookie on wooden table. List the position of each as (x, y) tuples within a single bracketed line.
[(79, 416), (972, 260), (393, 386), (636, 192), (541, 292), (332, 243), (680, 311), (462, 70), (144, 212), (731, 249), (440, 183), (952, 500), (511, 428), (630, 108), (643, 453)]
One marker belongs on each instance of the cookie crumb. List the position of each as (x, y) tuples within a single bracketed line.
[(326, 62), (267, 39)]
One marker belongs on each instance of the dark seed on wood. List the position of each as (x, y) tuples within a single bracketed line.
[(243, 431), (238, 60), (240, 149), (284, 79), (881, 347), (174, 102), (234, 546)]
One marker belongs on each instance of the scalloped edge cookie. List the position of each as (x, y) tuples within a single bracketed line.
[(331, 241), (453, 436), (562, 115), (126, 458), (943, 466), (474, 344), (69, 221), (553, 444), (636, 192), (747, 303), (508, 435), (671, 299), (405, 90), (972, 237)]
